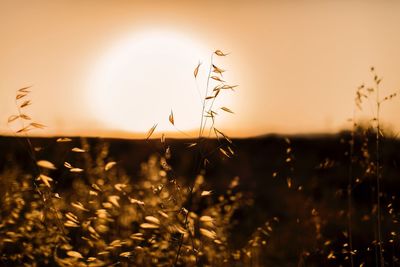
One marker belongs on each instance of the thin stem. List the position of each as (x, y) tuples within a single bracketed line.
[(198, 91), (185, 223), (201, 128), (204, 100), (182, 132), (375, 228), (32, 155), (213, 119), (349, 192), (378, 189)]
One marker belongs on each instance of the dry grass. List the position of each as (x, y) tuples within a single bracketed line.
[(111, 219)]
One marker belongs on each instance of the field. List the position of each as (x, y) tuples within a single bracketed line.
[(203, 200), (279, 201)]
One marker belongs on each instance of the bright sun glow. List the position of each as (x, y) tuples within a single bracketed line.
[(142, 78)]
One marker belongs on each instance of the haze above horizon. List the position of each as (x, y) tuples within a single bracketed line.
[(114, 69)]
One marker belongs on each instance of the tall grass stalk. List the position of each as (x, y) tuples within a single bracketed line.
[(378, 173), (376, 110), (202, 155), (22, 103), (349, 191), (203, 125)]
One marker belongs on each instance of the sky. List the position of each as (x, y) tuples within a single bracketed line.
[(116, 68)]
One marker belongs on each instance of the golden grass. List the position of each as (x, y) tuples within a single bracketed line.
[(110, 219)]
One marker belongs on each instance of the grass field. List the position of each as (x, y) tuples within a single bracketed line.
[(312, 200), (256, 209)]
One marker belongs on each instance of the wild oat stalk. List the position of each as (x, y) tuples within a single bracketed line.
[(357, 101), (215, 74), (349, 191), (360, 94), (378, 173), (378, 101), (21, 103)]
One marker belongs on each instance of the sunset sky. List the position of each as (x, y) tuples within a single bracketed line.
[(115, 68)]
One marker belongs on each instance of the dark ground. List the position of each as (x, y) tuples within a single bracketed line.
[(309, 216)]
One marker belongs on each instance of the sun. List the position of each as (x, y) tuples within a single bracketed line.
[(141, 78)]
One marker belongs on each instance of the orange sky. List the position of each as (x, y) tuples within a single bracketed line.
[(297, 63)]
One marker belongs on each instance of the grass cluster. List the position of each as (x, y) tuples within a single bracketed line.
[(110, 219), (117, 220)]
